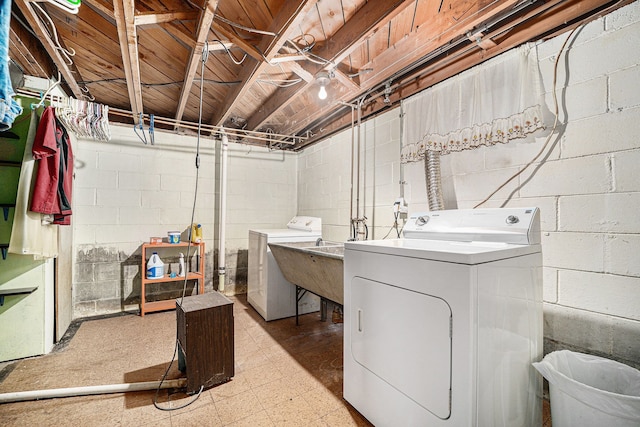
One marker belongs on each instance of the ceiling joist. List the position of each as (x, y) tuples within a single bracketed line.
[(124, 14), (290, 15), (204, 25)]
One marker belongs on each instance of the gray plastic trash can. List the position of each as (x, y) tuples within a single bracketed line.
[(591, 391)]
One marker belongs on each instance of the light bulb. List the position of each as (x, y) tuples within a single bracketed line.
[(323, 93)]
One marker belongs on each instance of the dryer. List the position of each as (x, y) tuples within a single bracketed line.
[(268, 291), (441, 327)]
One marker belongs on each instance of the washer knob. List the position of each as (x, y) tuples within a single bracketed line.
[(512, 219), (422, 220)]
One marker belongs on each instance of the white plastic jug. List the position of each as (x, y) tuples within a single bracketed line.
[(181, 272), (155, 267)]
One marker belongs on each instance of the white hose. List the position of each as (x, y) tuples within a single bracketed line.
[(21, 396), (223, 208)]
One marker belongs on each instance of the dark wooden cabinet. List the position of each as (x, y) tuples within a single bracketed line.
[(205, 339)]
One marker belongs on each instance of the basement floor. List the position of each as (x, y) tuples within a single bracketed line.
[(284, 376)]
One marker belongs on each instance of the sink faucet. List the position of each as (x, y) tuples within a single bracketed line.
[(318, 241)]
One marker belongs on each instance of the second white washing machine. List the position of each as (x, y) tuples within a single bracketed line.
[(441, 327), (268, 291)]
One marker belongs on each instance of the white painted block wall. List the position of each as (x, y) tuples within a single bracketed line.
[(126, 192), (587, 187)]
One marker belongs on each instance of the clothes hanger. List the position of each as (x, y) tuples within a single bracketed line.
[(49, 89)]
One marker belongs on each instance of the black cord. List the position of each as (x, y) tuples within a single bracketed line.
[(186, 276)]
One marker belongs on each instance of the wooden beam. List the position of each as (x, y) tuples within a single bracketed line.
[(124, 13), (300, 71), (152, 18), (34, 60), (430, 36), (100, 7), (291, 13), (38, 27), (204, 25), (241, 43), (370, 18)]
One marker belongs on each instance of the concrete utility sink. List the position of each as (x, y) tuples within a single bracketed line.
[(318, 269)]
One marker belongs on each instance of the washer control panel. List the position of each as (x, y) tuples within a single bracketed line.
[(508, 225)]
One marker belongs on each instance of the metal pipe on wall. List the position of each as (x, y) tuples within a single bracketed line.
[(224, 147)]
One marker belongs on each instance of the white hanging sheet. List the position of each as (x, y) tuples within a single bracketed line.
[(492, 103), (29, 236)]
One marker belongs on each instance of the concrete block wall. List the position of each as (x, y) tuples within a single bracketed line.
[(126, 192), (326, 188), (586, 185)]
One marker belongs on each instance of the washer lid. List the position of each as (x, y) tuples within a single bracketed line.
[(441, 250)]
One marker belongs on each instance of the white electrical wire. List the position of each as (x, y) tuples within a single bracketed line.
[(53, 35), (555, 123), (235, 61)]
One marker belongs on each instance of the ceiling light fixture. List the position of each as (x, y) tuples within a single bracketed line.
[(323, 79)]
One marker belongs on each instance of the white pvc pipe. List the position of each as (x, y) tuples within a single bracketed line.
[(223, 209), (21, 396)]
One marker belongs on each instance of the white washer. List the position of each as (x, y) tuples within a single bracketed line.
[(267, 290), (441, 327)]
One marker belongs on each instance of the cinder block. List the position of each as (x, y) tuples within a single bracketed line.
[(604, 54), (84, 197), (156, 199), (106, 272), (584, 175), (580, 100), (622, 17), (625, 169), (477, 186), (83, 273), (626, 341), (95, 179), (95, 215), (95, 291), (590, 332), (550, 48), (576, 251), (117, 198), (614, 131), (135, 215), (550, 284), (108, 306), (119, 162), (138, 181), (83, 234), (624, 90), (600, 293), (621, 254), (613, 212)]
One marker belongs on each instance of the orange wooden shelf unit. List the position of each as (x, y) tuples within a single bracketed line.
[(148, 307)]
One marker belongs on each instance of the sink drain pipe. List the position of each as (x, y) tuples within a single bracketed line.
[(22, 396)]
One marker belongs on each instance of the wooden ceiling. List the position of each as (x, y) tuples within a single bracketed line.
[(259, 60)]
